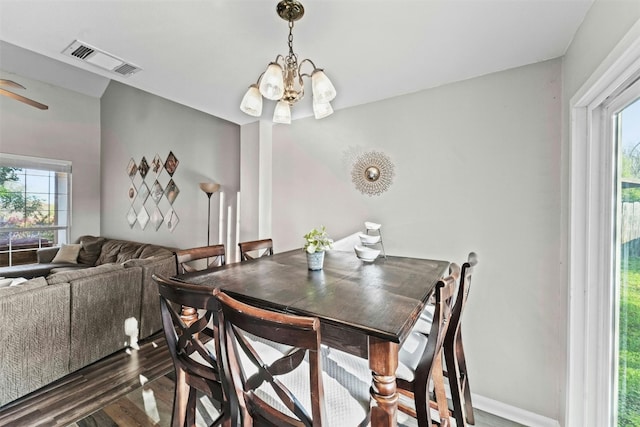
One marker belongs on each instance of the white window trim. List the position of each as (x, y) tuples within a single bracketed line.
[(590, 372)]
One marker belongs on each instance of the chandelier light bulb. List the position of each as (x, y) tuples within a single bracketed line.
[(282, 113), (323, 90), (322, 109), (272, 82), (252, 102)]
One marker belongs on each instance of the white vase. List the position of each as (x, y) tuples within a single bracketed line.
[(315, 260)]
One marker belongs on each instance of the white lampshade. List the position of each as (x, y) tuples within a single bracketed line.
[(282, 113), (322, 109), (252, 102), (323, 90), (209, 187), (272, 82)]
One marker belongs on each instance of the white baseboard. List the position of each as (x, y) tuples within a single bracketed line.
[(512, 413)]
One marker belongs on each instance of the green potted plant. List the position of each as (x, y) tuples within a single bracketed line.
[(316, 242)]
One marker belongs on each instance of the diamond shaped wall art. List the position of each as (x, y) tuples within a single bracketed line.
[(145, 195)]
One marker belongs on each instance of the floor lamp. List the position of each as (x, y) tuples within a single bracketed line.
[(209, 188)]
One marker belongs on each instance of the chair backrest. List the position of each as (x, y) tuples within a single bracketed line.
[(257, 369), (454, 331), (429, 368), (215, 256), (265, 245), (457, 372), (187, 334)]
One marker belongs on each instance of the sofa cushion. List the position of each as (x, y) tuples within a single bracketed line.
[(68, 254), (68, 276), (90, 250), (119, 251), (29, 271), (155, 251), (46, 255)]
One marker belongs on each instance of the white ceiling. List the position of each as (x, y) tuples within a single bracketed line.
[(205, 53)]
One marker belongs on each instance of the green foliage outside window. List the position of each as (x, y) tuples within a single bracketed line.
[(17, 207)]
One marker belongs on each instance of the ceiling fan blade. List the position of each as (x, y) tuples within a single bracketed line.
[(11, 83), (23, 99)]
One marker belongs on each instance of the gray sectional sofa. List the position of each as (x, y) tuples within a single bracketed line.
[(55, 325)]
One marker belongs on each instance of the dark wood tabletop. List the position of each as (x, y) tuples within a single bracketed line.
[(381, 299)]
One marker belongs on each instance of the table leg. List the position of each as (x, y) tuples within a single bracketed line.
[(383, 362)]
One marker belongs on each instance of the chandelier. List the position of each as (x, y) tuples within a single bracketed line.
[(282, 80)]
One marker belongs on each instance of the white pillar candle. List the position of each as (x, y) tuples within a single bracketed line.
[(221, 218), (229, 219), (237, 251)]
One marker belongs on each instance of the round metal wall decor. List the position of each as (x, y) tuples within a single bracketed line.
[(372, 173)]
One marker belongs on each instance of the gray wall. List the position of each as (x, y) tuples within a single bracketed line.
[(477, 167), (137, 124), (68, 130)]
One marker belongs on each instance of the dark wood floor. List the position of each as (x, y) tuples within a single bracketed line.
[(129, 388), (97, 386)]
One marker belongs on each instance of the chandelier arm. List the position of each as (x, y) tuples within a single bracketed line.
[(300, 68), (281, 58)]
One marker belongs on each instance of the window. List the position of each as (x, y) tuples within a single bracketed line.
[(35, 202), (627, 139)]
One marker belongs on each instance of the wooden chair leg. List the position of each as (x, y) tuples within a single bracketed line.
[(180, 399), (190, 417), (466, 390), (453, 375), (439, 391)]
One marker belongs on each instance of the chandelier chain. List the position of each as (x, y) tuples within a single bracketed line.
[(292, 57)]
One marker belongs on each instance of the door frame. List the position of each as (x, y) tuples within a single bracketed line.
[(592, 169)]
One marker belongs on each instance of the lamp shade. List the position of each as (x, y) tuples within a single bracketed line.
[(282, 113), (272, 82), (322, 109), (209, 187), (252, 102), (323, 90)]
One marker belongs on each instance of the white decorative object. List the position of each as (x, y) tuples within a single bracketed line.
[(365, 253), (372, 235), (368, 239)]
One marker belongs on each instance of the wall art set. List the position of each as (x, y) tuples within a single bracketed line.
[(152, 192)]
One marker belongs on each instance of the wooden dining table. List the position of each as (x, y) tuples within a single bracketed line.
[(365, 308)]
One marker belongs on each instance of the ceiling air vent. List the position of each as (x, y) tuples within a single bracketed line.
[(99, 58)]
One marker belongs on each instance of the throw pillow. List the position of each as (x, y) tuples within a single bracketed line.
[(68, 254), (90, 251), (5, 282), (17, 281)]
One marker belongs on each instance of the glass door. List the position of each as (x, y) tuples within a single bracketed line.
[(626, 132)]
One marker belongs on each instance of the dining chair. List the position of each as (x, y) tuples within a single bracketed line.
[(265, 245), (275, 363), (194, 347), (455, 362), (454, 350), (420, 359), (215, 256)]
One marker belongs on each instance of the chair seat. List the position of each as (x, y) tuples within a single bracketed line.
[(423, 325), (346, 399)]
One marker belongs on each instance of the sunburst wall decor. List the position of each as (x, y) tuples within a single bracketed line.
[(372, 173)]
